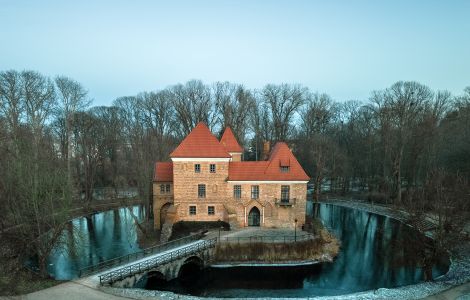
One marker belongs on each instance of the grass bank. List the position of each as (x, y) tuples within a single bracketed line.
[(323, 248), (16, 279)]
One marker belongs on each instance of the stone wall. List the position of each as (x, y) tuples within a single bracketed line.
[(272, 214), (219, 194), (161, 200), (186, 182)]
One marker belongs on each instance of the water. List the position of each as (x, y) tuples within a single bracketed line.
[(376, 252), (90, 240)]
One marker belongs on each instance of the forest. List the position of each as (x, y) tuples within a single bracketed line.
[(407, 145)]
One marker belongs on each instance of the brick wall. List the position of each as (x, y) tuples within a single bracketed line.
[(219, 194), (186, 182), (159, 200), (274, 215)]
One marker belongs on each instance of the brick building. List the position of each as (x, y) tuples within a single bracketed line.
[(207, 180)]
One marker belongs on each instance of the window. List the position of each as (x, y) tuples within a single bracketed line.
[(254, 192), (285, 190), (211, 210), (201, 190), (167, 188), (162, 188), (237, 191), (285, 169), (197, 168), (192, 210), (212, 168)]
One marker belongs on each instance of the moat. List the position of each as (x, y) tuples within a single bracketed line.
[(375, 253)]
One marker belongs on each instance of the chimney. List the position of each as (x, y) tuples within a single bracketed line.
[(266, 150)]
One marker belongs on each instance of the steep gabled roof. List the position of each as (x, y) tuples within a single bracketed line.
[(163, 172), (269, 170), (229, 141), (200, 142)]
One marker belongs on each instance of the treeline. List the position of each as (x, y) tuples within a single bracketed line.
[(406, 144)]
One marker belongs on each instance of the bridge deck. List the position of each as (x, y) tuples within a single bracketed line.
[(94, 280)]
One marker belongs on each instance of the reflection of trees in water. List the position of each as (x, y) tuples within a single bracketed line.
[(88, 240), (376, 251)]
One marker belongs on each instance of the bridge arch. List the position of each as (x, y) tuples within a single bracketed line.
[(155, 280), (190, 269)]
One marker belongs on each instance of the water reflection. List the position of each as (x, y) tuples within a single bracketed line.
[(92, 239), (376, 252)]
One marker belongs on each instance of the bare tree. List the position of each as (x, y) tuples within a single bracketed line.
[(397, 109), (233, 104), (89, 134), (317, 119), (11, 104), (283, 102), (72, 98), (193, 104)]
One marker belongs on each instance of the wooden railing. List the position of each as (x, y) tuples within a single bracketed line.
[(107, 264), (146, 265)]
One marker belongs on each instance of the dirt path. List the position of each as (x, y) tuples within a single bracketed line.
[(461, 292), (70, 291)]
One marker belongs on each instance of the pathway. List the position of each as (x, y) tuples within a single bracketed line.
[(461, 292)]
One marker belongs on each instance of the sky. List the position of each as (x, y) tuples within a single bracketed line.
[(344, 48)]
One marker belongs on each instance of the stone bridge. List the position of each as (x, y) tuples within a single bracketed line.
[(166, 265)]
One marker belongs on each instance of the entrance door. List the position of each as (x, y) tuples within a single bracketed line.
[(253, 217)]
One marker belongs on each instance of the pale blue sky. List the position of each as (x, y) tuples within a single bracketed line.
[(343, 48)]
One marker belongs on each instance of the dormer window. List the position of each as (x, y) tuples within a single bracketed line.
[(285, 169)]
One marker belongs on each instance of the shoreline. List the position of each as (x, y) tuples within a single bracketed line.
[(457, 275), (261, 264)]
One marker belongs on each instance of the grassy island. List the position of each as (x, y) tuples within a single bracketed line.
[(324, 247)]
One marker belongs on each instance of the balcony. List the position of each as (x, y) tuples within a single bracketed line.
[(284, 202)]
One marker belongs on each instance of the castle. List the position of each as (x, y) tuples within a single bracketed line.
[(207, 180)]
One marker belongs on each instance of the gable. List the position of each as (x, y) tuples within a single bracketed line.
[(229, 141), (200, 142), (269, 170)]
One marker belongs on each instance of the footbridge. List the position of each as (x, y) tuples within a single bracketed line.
[(166, 262)]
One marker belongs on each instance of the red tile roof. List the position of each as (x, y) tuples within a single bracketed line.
[(163, 172), (269, 170), (229, 141), (200, 142)]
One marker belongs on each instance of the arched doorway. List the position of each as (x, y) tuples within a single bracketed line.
[(254, 217)]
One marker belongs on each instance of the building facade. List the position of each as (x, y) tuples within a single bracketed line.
[(207, 180)]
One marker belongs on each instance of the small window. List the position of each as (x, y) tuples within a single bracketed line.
[(211, 210), (197, 168), (167, 188), (162, 189), (254, 191), (237, 191), (212, 168), (192, 210), (201, 190), (285, 169), (285, 191)]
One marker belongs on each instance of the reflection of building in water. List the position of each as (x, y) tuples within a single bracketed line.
[(207, 180)]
